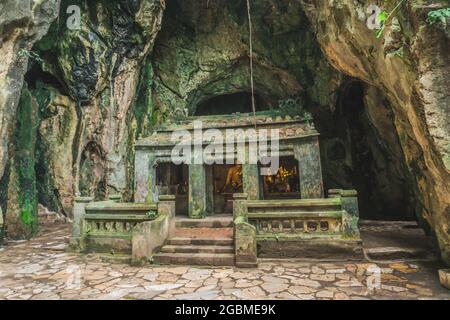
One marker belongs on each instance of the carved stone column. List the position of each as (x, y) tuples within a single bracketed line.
[(250, 181), (307, 152), (197, 191)]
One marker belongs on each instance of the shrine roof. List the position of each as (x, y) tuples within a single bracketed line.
[(289, 127)]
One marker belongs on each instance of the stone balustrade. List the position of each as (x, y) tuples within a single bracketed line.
[(306, 228), (111, 227)]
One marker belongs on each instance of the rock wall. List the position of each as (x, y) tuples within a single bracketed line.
[(22, 23), (134, 64), (81, 86), (409, 64)]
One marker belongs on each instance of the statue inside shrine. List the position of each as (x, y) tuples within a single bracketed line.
[(284, 181), (234, 178)]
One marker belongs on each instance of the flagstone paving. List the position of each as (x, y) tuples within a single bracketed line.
[(43, 269)]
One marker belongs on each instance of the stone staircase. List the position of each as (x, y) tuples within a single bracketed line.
[(205, 242)]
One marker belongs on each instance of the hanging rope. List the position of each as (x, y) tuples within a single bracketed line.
[(252, 86)]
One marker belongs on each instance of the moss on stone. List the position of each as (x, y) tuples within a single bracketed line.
[(25, 142)]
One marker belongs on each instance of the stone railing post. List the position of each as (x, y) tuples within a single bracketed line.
[(239, 204), (349, 200), (166, 206), (244, 234), (78, 226)]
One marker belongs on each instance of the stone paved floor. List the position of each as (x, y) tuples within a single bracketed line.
[(41, 269)]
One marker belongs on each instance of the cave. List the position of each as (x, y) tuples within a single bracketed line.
[(363, 176), (234, 103), (358, 156)]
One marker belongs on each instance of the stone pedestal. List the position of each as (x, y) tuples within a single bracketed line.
[(79, 212)]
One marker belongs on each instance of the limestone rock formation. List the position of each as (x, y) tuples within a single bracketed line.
[(89, 93), (409, 63), (22, 23)]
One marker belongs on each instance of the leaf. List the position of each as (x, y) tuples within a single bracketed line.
[(380, 31), (382, 17), (440, 15)]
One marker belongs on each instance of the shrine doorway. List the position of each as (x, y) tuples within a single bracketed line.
[(285, 183), (173, 179), (226, 180)]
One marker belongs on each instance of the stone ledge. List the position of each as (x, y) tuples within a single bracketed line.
[(311, 249)]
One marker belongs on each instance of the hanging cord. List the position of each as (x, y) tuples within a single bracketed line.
[(251, 63)]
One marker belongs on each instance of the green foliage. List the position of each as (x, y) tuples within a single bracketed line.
[(384, 18), (294, 108), (152, 214), (440, 15), (25, 137), (31, 55), (400, 52)]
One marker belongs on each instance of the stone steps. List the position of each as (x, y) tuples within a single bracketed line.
[(205, 241), (197, 249), (199, 259), (210, 222)]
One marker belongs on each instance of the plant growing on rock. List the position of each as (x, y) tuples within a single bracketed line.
[(31, 55), (294, 107), (440, 15), (385, 17)]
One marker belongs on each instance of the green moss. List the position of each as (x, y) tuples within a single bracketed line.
[(144, 109), (25, 141)]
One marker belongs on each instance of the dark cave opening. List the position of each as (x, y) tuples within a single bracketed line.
[(240, 102), (357, 156), (36, 74)]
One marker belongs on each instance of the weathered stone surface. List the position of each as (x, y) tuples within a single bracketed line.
[(310, 170), (245, 244), (96, 108), (444, 277), (52, 277), (21, 25), (418, 102)]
